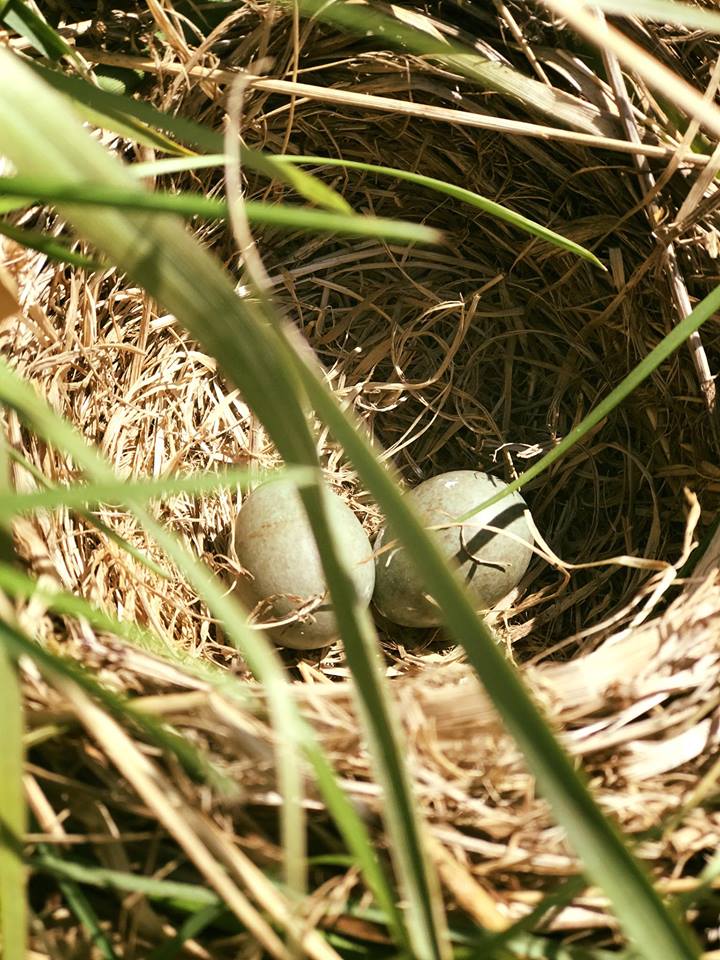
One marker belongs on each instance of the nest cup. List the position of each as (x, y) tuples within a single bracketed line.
[(478, 355)]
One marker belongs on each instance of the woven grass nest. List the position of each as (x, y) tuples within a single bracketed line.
[(481, 354)]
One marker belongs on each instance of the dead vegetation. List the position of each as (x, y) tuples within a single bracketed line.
[(482, 353)]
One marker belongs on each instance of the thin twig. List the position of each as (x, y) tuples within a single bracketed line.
[(633, 57), (425, 111), (517, 33)]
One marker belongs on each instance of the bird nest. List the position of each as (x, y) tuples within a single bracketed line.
[(480, 354)]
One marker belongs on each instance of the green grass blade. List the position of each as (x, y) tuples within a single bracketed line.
[(656, 931), (139, 120), (707, 307), (10, 204), (121, 108), (312, 188), (18, 16), (258, 652), (118, 80), (137, 491), (80, 905), (132, 130), (419, 882), (82, 908), (358, 842), (458, 193), (13, 901), (52, 248), (13, 908), (192, 285), (181, 896), (286, 216), (187, 897)]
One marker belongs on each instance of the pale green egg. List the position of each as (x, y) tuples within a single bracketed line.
[(276, 547), (490, 563)]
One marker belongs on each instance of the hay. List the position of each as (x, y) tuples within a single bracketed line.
[(481, 354)]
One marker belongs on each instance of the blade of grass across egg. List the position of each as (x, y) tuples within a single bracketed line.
[(135, 118), (458, 193), (607, 860), (285, 216), (194, 287), (403, 820), (259, 653)]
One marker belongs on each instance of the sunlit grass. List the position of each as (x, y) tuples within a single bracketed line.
[(133, 228)]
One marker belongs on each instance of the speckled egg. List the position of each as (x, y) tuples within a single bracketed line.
[(490, 563), (275, 545)]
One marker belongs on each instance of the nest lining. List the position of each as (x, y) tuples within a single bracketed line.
[(481, 354)]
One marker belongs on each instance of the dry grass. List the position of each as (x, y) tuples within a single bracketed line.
[(480, 354)]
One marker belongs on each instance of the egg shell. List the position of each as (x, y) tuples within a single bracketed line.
[(275, 545), (491, 564)]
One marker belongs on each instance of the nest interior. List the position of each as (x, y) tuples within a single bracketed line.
[(479, 354)]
